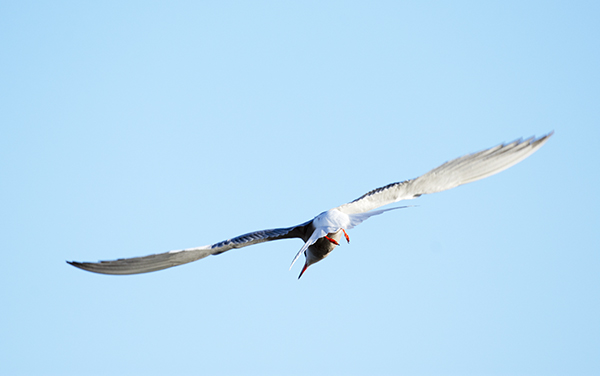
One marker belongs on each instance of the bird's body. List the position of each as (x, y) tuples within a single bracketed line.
[(322, 234)]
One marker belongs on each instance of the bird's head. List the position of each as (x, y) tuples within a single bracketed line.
[(317, 252)]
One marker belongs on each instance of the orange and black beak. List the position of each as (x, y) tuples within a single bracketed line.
[(303, 269)]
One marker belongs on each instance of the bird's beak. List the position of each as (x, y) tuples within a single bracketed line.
[(303, 269)]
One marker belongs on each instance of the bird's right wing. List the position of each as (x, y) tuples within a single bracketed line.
[(145, 264), (451, 174)]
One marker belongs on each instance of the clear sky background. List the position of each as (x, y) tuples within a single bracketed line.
[(131, 128)]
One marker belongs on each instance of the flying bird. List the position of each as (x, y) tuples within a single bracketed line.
[(324, 232)]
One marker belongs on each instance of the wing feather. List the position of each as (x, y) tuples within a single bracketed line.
[(451, 174), (145, 264)]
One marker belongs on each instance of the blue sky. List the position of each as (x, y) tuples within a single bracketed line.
[(131, 128)]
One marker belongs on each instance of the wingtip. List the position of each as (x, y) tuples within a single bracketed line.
[(75, 264), (538, 142), (547, 135)]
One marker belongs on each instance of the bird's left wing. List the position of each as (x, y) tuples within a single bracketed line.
[(451, 174), (165, 260)]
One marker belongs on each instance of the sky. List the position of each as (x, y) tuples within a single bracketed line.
[(132, 128)]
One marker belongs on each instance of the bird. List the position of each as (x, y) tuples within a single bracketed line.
[(323, 233)]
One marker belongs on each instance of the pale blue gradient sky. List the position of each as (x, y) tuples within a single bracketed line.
[(141, 127)]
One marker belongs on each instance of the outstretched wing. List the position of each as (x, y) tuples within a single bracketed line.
[(160, 261), (451, 174)]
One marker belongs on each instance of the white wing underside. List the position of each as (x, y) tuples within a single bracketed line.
[(451, 174)]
